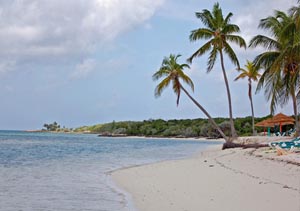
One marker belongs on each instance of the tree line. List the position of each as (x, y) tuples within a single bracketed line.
[(174, 128)]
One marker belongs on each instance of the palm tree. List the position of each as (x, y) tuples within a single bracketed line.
[(295, 13), (173, 73), (281, 61), (250, 72), (220, 33)]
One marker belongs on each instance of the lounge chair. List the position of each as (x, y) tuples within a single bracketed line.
[(291, 131), (280, 134), (286, 147), (286, 144)]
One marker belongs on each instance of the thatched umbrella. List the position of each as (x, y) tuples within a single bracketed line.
[(281, 119), (267, 123)]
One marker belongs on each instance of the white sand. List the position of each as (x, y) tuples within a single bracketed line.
[(230, 180)]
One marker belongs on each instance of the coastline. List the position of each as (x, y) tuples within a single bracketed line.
[(200, 138), (230, 180)]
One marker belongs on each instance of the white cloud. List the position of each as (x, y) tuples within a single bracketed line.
[(39, 29), (89, 66), (248, 17), (84, 69), (6, 66), (26, 33)]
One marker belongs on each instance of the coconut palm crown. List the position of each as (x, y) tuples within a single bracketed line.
[(219, 33), (173, 73)]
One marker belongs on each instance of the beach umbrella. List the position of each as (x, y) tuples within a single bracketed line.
[(282, 119), (267, 123), (279, 119)]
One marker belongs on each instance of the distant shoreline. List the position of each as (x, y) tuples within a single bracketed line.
[(130, 136), (240, 139)]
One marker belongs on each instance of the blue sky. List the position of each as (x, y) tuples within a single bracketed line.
[(83, 62)]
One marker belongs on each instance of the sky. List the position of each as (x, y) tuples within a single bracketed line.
[(84, 62)]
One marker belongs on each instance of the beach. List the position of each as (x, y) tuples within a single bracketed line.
[(228, 180)]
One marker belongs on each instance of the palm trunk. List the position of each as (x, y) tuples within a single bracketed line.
[(295, 112), (210, 119), (233, 132), (252, 109)]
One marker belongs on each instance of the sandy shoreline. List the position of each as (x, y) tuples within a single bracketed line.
[(230, 180)]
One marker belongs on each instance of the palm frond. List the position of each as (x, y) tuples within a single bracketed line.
[(264, 41), (295, 13), (227, 19), (273, 103), (266, 59), (201, 33), (162, 86), (218, 15), (163, 71), (273, 85), (241, 75), (271, 24), (261, 82), (212, 59), (187, 80), (237, 40), (229, 51), (183, 66), (206, 18), (280, 15), (202, 50), (230, 29)]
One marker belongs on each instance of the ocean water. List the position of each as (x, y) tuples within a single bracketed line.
[(69, 172)]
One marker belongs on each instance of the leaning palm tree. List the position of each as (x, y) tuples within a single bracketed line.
[(281, 61), (252, 73), (220, 33), (173, 73)]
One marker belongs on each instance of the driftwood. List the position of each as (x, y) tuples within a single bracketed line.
[(229, 144)]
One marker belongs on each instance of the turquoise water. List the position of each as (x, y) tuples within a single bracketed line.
[(44, 171)]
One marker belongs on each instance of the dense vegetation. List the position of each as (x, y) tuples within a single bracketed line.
[(173, 128), (52, 126), (55, 127)]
